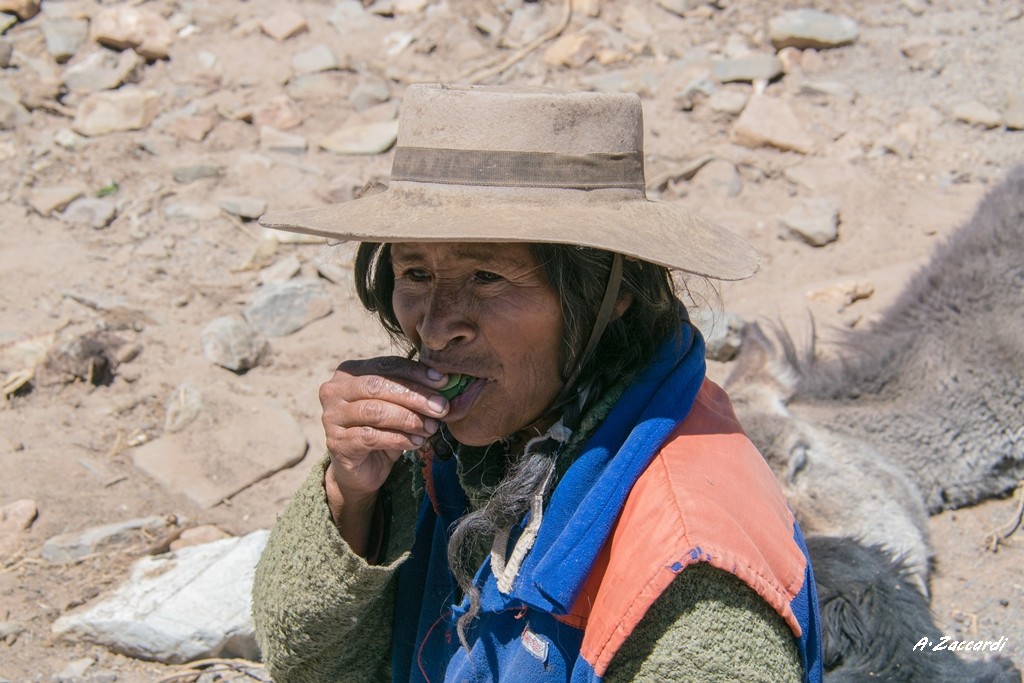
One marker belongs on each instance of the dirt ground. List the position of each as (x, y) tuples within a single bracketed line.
[(889, 150)]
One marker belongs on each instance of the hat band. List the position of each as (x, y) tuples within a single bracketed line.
[(519, 169)]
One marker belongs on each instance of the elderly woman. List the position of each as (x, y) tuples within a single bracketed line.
[(545, 487)]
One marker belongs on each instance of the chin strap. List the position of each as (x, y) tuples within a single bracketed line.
[(604, 316)]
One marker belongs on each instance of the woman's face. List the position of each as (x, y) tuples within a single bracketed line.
[(488, 311)]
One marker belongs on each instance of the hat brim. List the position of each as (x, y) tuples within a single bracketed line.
[(666, 234)]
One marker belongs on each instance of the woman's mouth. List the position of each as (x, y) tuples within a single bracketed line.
[(462, 401)]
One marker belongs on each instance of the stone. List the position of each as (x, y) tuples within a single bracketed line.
[(142, 30), (369, 93), (284, 24), (349, 16), (589, 8), (6, 52), (279, 112), (680, 7), (728, 102), (315, 60), (178, 607), (23, 9), (182, 407), (920, 50), (73, 671), (844, 294), (194, 128), (814, 221), (7, 21), (410, 6), (191, 211), (94, 212), (753, 67), (190, 174), (723, 335), (769, 121), (12, 112), (282, 271), (274, 140), (64, 37), (74, 545), (717, 177), (572, 50), (18, 516), (101, 70), (233, 344), (977, 114), (805, 28), (370, 138), (1014, 114), (130, 108), (198, 535), (48, 200), (248, 208), (281, 308), (333, 272), (237, 441)]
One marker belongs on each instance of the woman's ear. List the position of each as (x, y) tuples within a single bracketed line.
[(625, 301)]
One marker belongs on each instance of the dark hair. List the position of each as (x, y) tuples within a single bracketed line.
[(579, 275)]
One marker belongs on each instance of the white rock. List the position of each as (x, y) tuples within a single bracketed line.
[(282, 271), (977, 114), (274, 140), (233, 344), (141, 29), (47, 200), (191, 604), (769, 121), (101, 70), (280, 112), (815, 221), (284, 24), (370, 138), (314, 60), (249, 208), (572, 50), (95, 212), (129, 108), (18, 516), (811, 28)]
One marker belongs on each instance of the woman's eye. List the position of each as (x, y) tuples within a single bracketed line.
[(486, 277), (416, 274)]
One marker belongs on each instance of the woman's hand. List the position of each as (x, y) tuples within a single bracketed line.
[(373, 410)]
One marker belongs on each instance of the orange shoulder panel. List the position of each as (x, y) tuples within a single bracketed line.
[(708, 496)]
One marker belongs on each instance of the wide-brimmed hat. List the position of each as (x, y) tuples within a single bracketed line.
[(500, 164)]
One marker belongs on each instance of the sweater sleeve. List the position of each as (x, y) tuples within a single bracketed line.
[(708, 626), (321, 612)]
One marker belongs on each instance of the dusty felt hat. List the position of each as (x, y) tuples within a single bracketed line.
[(500, 164)]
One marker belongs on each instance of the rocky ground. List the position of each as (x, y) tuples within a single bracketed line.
[(160, 354)]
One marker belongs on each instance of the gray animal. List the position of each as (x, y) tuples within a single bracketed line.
[(876, 627), (936, 385), (921, 412)]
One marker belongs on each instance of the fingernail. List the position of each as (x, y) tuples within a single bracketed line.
[(417, 439), (431, 425), (434, 374), (436, 403)]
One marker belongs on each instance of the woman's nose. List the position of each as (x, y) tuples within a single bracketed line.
[(445, 321)]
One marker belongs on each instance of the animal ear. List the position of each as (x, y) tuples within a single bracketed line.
[(756, 354)]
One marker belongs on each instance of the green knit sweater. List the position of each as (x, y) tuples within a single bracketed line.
[(323, 614)]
